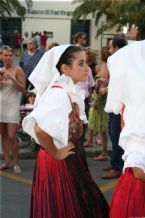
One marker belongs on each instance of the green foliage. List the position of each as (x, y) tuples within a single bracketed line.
[(21, 11), (87, 7), (117, 13), (8, 6)]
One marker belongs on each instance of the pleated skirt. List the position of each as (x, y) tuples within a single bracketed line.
[(128, 199), (65, 189)]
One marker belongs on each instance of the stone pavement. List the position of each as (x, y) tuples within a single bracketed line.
[(15, 191)]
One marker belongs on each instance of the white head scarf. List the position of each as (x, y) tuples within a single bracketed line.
[(45, 73)]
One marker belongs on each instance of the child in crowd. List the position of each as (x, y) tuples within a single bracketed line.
[(24, 111), (28, 106), (30, 98)]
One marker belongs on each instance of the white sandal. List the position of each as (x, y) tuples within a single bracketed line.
[(17, 169), (4, 166)]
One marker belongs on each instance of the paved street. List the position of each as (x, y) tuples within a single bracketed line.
[(16, 190)]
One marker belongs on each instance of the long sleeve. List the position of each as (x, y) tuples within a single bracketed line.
[(52, 116)]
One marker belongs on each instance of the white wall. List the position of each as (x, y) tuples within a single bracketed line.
[(94, 42), (59, 27)]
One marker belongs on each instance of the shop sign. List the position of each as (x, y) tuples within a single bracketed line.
[(51, 12)]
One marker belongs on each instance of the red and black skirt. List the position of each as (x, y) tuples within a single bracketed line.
[(65, 188), (128, 199)]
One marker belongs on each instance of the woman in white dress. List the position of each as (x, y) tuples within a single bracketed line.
[(12, 84)]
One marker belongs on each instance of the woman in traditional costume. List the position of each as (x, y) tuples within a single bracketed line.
[(62, 185)]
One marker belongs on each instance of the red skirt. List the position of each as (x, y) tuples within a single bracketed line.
[(128, 199), (65, 189)]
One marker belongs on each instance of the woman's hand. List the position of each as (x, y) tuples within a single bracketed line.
[(101, 86), (63, 153), (18, 79), (102, 80), (46, 141), (7, 76), (138, 173), (1, 74), (1, 77), (103, 91)]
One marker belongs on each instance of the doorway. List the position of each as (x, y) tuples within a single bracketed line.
[(9, 27), (80, 26)]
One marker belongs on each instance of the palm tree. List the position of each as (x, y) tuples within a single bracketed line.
[(118, 13), (8, 6)]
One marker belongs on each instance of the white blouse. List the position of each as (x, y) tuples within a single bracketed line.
[(127, 86), (52, 110), (51, 118)]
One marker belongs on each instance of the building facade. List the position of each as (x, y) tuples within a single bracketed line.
[(56, 19)]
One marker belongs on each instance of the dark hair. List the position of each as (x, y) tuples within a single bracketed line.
[(119, 41), (30, 94), (68, 56)]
